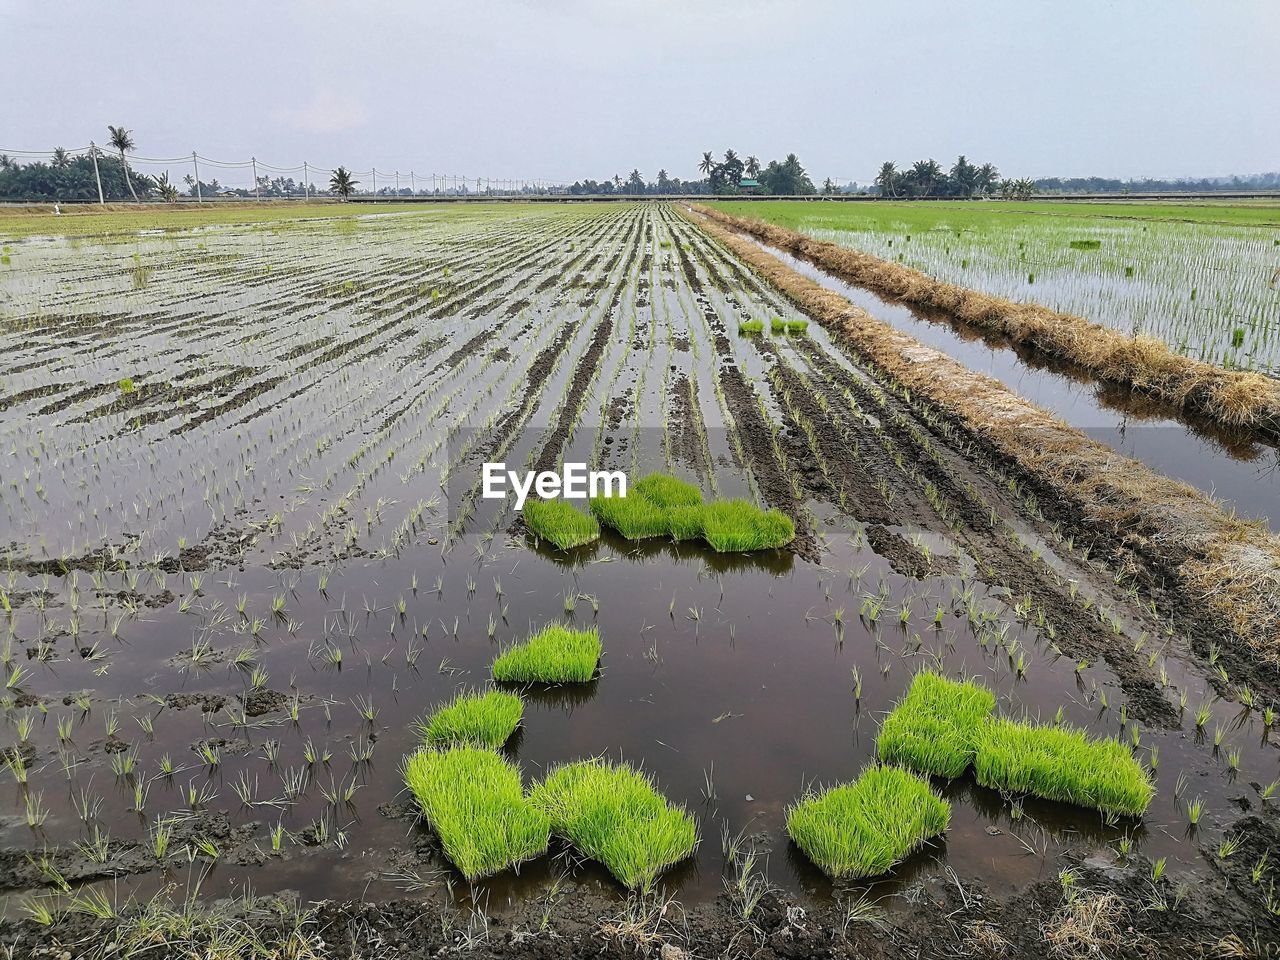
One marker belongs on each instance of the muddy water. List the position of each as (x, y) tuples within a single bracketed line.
[(1232, 467), (730, 679), (719, 673)]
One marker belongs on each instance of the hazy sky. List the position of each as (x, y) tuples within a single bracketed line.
[(578, 88)]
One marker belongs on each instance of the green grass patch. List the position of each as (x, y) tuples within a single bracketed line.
[(751, 327), (555, 654), (1060, 763), (935, 728), (473, 799), (560, 523), (731, 526), (479, 719), (861, 829), (613, 814), (1086, 244)]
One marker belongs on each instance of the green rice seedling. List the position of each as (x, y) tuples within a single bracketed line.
[(685, 523), (667, 492), (612, 813), (480, 719), (863, 828), (732, 526), (41, 910), (1195, 810), (474, 801), (1059, 763), (778, 325), (751, 327), (560, 523), (634, 516), (555, 654), (934, 729)]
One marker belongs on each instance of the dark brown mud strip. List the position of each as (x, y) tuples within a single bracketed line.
[(686, 441), (33, 393), (1111, 909), (850, 453), (1219, 574), (1143, 364)]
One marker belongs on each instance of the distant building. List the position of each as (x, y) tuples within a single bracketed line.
[(749, 185)]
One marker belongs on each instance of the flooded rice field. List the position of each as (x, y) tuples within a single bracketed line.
[(1205, 288), (1236, 466), (245, 550)]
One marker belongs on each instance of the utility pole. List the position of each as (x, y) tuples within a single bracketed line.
[(397, 183), (413, 186), (306, 186), (375, 181), (93, 152), (256, 192), (196, 165)]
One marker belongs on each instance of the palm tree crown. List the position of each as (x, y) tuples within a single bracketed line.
[(122, 140), (341, 182)]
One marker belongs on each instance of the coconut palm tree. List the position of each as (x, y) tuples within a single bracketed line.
[(341, 182), (61, 159), (927, 174), (887, 178), (122, 140), (988, 177), (168, 191), (753, 167), (708, 162), (729, 157), (7, 162)]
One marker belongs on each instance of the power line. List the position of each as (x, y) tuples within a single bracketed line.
[(440, 182)]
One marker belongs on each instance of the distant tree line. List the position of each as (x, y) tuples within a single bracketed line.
[(70, 178), (731, 176), (926, 178), (1257, 181)]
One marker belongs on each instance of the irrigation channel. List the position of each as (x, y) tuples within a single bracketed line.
[(246, 551)]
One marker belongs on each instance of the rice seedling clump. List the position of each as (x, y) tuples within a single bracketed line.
[(560, 523), (634, 516), (473, 799), (480, 719), (660, 505), (685, 523), (863, 828), (668, 492), (1060, 763), (555, 654), (778, 325), (751, 327), (613, 814), (936, 726), (730, 526)]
